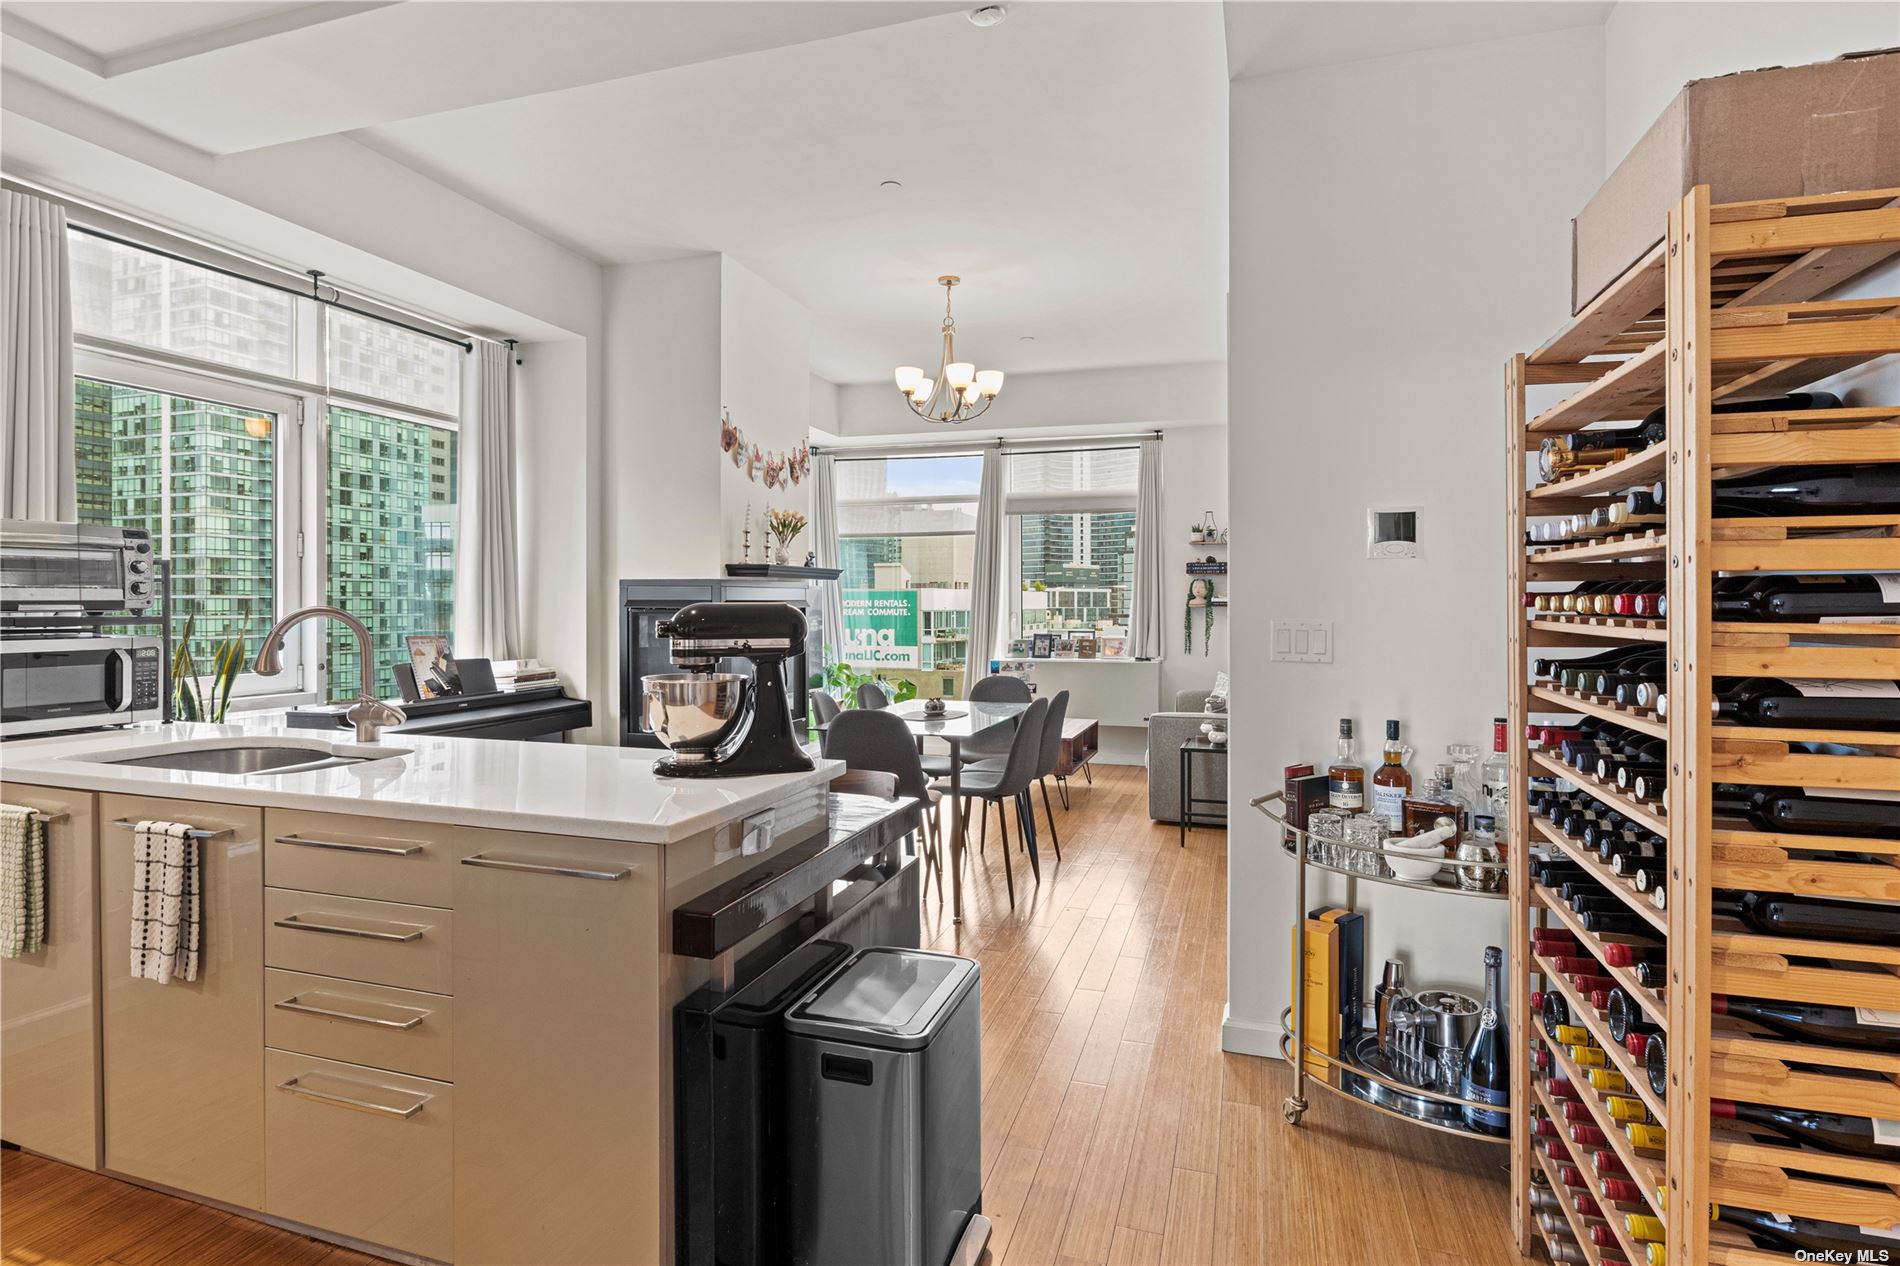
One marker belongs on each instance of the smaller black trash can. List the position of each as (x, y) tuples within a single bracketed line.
[(883, 1112)]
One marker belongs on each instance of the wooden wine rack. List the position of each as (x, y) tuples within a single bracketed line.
[(1725, 307)]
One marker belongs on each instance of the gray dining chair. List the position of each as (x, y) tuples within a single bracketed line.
[(824, 707), (871, 695), (876, 740), (1008, 783)]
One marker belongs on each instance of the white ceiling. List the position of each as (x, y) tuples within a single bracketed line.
[(1264, 36), (1070, 163)]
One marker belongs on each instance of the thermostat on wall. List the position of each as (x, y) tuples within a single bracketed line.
[(1392, 532)]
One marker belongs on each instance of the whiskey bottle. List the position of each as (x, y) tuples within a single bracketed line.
[(1391, 784), (1346, 777)]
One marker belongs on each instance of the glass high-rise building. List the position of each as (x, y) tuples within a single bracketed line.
[(391, 539), (201, 478)]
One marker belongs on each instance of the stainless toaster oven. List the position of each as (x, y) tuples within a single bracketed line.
[(75, 567)]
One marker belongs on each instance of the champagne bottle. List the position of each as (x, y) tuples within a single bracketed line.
[(1862, 922), (1860, 1027), (1487, 1074), (1828, 1131)]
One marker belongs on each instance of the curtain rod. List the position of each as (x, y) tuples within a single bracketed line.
[(316, 282), (941, 448), (146, 236)]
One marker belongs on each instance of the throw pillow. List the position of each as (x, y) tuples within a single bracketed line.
[(1217, 698)]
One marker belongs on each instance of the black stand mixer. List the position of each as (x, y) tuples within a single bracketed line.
[(720, 724)]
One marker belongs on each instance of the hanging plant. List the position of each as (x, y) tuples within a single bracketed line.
[(1200, 594)]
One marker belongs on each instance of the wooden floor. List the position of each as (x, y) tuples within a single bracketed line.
[(1115, 1130)]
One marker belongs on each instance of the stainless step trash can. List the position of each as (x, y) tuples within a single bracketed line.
[(883, 1112)]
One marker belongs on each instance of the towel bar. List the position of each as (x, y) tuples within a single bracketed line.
[(195, 833)]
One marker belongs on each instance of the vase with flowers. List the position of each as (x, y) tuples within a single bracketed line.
[(784, 525)]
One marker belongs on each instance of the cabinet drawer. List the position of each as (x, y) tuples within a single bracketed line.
[(359, 1151), (359, 856), (377, 941), (347, 1020)]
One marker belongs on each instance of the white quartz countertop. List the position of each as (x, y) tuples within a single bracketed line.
[(555, 788)]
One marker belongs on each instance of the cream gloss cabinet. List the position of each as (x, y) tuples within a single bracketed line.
[(184, 1061), (560, 1115), (49, 999)]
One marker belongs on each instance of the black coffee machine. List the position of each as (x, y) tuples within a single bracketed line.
[(720, 724)]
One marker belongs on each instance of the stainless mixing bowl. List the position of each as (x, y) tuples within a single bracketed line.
[(692, 713)]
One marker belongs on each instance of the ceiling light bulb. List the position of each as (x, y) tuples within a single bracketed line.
[(908, 376), (960, 374), (989, 381)]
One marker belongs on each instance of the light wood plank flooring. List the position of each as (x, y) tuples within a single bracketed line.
[(1115, 1130)]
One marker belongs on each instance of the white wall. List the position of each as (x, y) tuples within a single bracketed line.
[(1652, 49), (1193, 480), (765, 381), (1400, 227)]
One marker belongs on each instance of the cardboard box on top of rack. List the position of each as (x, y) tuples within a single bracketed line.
[(1782, 132)]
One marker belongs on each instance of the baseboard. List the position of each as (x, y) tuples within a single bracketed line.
[(1246, 1037)]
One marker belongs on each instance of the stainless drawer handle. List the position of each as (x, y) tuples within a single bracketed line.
[(341, 846), (296, 923), (303, 1008), (577, 872), (344, 1101)]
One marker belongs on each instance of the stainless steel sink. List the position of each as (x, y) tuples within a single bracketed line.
[(243, 758)]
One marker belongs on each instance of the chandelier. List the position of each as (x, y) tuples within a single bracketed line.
[(960, 391)]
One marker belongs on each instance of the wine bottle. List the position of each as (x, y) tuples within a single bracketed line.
[(1862, 1028), (1829, 704), (1487, 1074), (1828, 1131), (1862, 922), (1819, 1240), (1843, 599), (1865, 488), (1793, 811)]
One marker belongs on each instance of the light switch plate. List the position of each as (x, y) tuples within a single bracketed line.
[(1302, 641)]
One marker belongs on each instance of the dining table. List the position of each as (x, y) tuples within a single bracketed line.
[(960, 721)]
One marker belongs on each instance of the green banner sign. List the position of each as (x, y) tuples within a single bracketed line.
[(881, 628)]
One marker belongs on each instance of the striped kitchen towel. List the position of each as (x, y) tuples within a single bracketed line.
[(167, 902), (22, 881)]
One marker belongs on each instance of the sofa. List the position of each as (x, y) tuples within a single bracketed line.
[(1166, 732)]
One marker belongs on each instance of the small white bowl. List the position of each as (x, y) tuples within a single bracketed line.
[(1414, 865)]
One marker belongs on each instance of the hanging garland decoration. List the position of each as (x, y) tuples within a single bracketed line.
[(781, 469), (1200, 594)]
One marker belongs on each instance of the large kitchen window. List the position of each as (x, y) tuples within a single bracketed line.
[(390, 554), (280, 452), (1070, 546), (907, 543)]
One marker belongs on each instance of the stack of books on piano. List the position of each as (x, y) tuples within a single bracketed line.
[(521, 674)]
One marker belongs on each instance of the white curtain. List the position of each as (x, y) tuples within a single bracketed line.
[(1145, 637), (487, 592), (986, 574), (824, 543), (36, 364)]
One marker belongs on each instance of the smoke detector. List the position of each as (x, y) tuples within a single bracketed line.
[(987, 15)]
